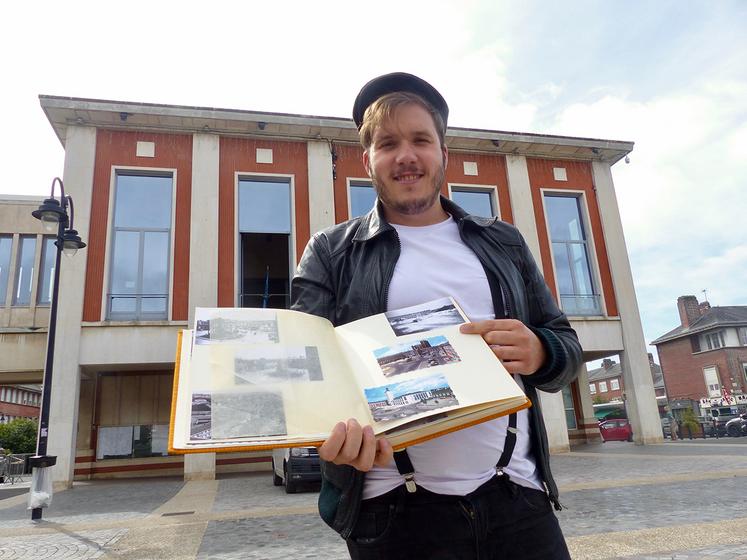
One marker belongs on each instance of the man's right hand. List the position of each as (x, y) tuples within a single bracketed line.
[(350, 444)]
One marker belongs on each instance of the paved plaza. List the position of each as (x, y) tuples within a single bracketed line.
[(680, 500)]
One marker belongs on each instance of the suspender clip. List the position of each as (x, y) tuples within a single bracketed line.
[(410, 482), (499, 471)]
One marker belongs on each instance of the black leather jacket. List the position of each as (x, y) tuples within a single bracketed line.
[(344, 275)]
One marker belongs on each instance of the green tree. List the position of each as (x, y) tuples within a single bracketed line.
[(689, 421), (19, 436), (599, 399)]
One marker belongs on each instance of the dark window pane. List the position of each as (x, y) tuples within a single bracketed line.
[(6, 241), (564, 218), (362, 199), (25, 271), (477, 203), (49, 259), (142, 202), (264, 207)]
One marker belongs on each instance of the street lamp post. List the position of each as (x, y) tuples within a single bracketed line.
[(52, 213)]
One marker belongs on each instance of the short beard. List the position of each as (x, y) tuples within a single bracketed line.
[(412, 207)]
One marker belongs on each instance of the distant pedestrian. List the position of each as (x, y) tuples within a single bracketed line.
[(674, 428)]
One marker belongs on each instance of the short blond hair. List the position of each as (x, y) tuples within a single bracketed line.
[(383, 108)]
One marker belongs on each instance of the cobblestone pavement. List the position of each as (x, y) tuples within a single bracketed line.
[(679, 500)]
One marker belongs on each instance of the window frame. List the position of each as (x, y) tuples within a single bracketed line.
[(284, 178), (107, 281), (712, 394), (17, 267), (492, 190), (591, 251), (603, 387), (39, 283), (355, 182), (614, 382)]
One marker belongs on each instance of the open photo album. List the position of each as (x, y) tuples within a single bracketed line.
[(251, 379)]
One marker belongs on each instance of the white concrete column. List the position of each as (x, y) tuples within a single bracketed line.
[(203, 233), (639, 388), (321, 188), (80, 156), (522, 208), (553, 412), (203, 258)]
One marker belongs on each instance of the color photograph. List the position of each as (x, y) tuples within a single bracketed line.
[(415, 355), (408, 398)]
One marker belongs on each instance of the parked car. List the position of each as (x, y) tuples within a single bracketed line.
[(737, 426), (295, 466), (616, 430)]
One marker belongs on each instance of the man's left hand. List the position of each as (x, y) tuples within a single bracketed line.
[(515, 345)]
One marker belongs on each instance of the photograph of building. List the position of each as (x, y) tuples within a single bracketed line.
[(184, 207), (412, 356)]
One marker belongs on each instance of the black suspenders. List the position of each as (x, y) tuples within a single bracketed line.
[(405, 468)]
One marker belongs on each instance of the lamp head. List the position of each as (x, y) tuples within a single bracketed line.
[(51, 213), (71, 242)]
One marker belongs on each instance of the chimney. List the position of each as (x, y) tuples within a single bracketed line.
[(688, 308), (607, 363), (703, 308)]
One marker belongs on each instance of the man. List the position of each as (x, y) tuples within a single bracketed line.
[(484, 491)]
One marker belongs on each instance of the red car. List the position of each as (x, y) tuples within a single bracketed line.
[(616, 430)]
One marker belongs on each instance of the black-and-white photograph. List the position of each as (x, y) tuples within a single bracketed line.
[(262, 365), (248, 415), (408, 398), (415, 355), (220, 330), (199, 426), (424, 317)]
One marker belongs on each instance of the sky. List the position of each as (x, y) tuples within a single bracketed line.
[(670, 76)]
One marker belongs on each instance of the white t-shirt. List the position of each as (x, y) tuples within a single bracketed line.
[(434, 263)]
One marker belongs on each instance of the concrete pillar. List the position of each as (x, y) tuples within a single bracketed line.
[(553, 412), (80, 155), (639, 388), (321, 188), (203, 258), (521, 203), (588, 422)]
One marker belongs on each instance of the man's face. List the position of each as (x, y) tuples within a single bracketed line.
[(406, 162)]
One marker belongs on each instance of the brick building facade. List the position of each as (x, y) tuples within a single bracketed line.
[(704, 359)]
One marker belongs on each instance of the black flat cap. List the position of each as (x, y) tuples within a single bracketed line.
[(397, 81)]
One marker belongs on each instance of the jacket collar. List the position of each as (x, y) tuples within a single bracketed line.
[(374, 223)]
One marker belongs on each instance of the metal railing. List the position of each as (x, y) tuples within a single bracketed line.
[(14, 467), (581, 305)]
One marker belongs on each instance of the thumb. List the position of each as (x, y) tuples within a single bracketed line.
[(384, 453)]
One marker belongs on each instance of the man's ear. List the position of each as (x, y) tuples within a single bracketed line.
[(367, 162)]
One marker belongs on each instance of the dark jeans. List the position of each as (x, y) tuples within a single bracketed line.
[(499, 520)]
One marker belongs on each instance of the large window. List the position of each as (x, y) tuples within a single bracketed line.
[(614, 385), (48, 261), (715, 340), (25, 270), (362, 198), (265, 242), (6, 242), (602, 386), (711, 380), (475, 201), (570, 411), (571, 256), (140, 248)]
